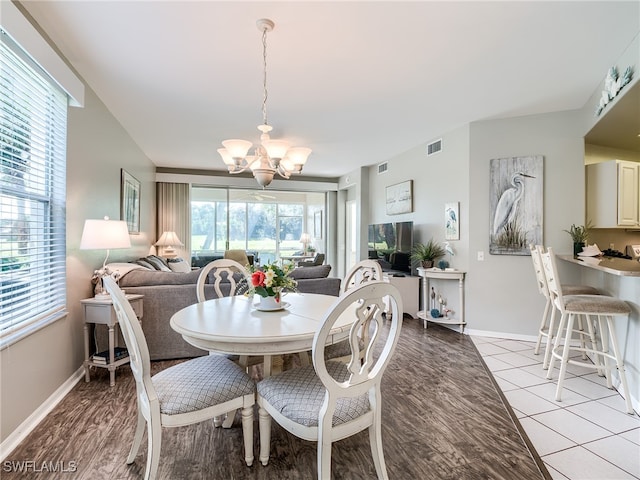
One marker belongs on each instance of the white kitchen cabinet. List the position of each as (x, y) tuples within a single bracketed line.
[(613, 198)]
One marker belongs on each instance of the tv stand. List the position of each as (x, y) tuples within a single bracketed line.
[(409, 287)]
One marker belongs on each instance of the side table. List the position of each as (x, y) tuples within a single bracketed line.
[(101, 312), (436, 273)]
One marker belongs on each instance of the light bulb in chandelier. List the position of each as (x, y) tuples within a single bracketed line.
[(270, 156)]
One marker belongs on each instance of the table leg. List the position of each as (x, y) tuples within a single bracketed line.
[(87, 377), (267, 366), (112, 367)]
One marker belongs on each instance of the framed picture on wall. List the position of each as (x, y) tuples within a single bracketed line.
[(130, 201), (452, 221), (399, 198)]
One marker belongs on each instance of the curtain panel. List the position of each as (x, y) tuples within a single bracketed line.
[(173, 202)]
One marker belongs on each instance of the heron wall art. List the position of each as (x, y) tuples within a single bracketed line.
[(516, 198)]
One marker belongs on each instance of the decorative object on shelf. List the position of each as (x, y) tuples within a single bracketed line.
[(579, 236), (169, 240), (516, 204), (427, 253), (451, 221), (271, 156), (130, 202), (305, 239), (269, 281), (399, 198), (435, 313), (104, 235), (613, 83), (443, 264)]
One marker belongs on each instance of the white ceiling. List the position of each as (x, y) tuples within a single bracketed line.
[(358, 82)]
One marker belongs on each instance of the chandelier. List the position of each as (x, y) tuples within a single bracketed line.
[(271, 156)]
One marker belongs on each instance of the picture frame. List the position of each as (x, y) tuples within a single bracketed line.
[(399, 198), (452, 221), (317, 224), (130, 201)]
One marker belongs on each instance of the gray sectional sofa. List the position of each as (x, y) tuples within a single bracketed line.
[(167, 292)]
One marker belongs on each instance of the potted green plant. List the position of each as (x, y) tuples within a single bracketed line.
[(579, 235), (427, 253)]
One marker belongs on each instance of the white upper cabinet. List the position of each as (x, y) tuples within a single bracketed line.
[(613, 198)]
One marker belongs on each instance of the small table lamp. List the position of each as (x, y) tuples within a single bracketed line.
[(305, 238), (104, 235), (168, 240)]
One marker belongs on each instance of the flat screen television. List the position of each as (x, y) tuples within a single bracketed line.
[(390, 244)]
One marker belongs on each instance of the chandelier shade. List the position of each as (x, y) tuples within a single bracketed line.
[(270, 156)]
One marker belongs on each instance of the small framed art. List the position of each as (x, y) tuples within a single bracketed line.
[(130, 201)]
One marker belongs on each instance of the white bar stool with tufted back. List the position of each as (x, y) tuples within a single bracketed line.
[(605, 308)]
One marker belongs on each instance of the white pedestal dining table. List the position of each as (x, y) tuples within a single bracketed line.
[(234, 325)]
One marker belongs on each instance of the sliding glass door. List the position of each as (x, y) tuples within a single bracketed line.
[(268, 224)]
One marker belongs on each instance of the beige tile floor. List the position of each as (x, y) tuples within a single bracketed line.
[(587, 435)]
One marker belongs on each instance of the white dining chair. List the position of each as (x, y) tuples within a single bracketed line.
[(604, 308), (362, 272), (548, 327), (187, 393), (330, 400)]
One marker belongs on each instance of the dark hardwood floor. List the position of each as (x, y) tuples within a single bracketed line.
[(443, 418)]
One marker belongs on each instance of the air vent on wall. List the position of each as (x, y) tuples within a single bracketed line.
[(434, 147), (382, 167)]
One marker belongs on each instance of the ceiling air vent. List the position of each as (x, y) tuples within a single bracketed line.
[(434, 147), (382, 167)]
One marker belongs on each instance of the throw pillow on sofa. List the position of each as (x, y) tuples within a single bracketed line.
[(158, 263), (178, 265)]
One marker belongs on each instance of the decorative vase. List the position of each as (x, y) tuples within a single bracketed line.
[(270, 303), (577, 248), (427, 263)]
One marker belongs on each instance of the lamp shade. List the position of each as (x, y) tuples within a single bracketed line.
[(305, 238), (104, 235), (169, 239)]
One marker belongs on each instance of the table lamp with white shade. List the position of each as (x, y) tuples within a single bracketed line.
[(104, 235), (305, 239), (169, 240)]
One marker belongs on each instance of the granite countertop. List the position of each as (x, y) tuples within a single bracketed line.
[(613, 265)]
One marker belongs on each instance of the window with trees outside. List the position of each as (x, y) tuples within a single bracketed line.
[(33, 125), (268, 224)]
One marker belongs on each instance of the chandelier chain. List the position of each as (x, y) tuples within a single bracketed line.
[(264, 83)]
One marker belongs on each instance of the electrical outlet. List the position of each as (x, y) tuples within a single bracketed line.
[(481, 256)]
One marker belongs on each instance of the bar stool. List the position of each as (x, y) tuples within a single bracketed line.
[(547, 323), (605, 308)]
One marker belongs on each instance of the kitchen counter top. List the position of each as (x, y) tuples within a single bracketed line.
[(613, 265)]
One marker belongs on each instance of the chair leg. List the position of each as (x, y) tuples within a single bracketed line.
[(154, 437), (565, 357), (556, 345), (543, 327), (264, 420), (375, 439), (137, 439), (247, 434), (228, 422), (324, 444), (550, 337), (619, 364), (581, 335), (594, 346)]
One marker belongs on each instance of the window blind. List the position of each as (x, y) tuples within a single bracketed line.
[(33, 123)]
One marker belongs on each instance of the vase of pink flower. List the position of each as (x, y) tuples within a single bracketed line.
[(269, 282)]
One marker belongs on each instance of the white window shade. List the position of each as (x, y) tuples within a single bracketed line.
[(33, 122)]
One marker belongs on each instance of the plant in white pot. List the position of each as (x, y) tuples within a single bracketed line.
[(427, 253)]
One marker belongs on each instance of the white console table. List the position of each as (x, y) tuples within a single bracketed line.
[(436, 273)]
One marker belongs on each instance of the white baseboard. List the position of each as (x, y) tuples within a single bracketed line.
[(20, 433)]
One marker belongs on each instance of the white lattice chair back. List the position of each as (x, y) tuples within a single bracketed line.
[(222, 270), (539, 269), (548, 260)]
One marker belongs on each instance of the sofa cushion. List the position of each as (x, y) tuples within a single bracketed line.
[(319, 271), (155, 277), (143, 263)]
